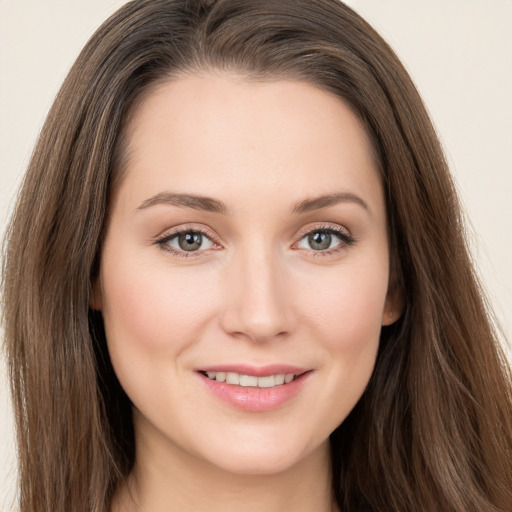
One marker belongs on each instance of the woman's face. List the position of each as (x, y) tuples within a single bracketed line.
[(247, 246)]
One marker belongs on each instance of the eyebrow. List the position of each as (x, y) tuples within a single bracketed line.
[(325, 201), (215, 206), (186, 200)]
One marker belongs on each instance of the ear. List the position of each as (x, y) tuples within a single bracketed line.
[(96, 300), (393, 306)]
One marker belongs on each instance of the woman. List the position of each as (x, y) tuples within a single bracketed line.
[(236, 276)]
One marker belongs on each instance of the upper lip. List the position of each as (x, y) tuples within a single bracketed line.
[(257, 371)]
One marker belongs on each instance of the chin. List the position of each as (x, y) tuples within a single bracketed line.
[(266, 457), (259, 465)]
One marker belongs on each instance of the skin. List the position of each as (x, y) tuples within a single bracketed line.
[(256, 292)]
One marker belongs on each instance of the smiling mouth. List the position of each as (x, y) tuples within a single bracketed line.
[(255, 389), (239, 379)]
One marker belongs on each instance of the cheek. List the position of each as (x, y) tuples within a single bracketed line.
[(341, 309), (347, 304), (151, 314)]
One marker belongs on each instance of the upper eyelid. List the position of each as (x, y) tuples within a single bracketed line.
[(336, 228), (172, 232)]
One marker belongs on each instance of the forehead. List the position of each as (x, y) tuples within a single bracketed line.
[(217, 132)]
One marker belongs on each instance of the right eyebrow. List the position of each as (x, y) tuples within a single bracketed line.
[(185, 200), (325, 201)]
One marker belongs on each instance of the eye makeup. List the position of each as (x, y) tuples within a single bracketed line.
[(193, 241)]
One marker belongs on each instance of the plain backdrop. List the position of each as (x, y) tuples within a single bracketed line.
[(459, 53)]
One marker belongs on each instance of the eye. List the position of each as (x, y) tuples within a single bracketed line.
[(186, 241), (325, 240)]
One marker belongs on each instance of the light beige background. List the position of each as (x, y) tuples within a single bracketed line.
[(459, 52)]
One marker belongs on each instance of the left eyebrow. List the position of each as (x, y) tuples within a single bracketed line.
[(325, 201), (187, 201)]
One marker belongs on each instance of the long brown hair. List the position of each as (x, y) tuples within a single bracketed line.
[(433, 430)]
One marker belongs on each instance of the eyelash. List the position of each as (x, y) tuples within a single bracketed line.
[(167, 237), (346, 240)]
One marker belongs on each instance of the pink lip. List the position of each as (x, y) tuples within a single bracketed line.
[(254, 399)]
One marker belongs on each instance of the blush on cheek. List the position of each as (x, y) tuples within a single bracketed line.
[(158, 308), (350, 310)]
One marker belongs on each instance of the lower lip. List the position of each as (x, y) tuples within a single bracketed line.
[(254, 399)]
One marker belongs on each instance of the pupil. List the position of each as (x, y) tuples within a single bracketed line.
[(319, 240), (190, 241)]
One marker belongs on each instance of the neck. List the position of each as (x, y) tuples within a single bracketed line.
[(171, 479)]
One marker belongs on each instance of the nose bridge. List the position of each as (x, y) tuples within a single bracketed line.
[(258, 305)]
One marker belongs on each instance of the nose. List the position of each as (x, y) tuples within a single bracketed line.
[(258, 300)]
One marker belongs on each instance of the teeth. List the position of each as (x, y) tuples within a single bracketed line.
[(232, 378), (280, 379), (266, 382), (238, 379), (248, 380)]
